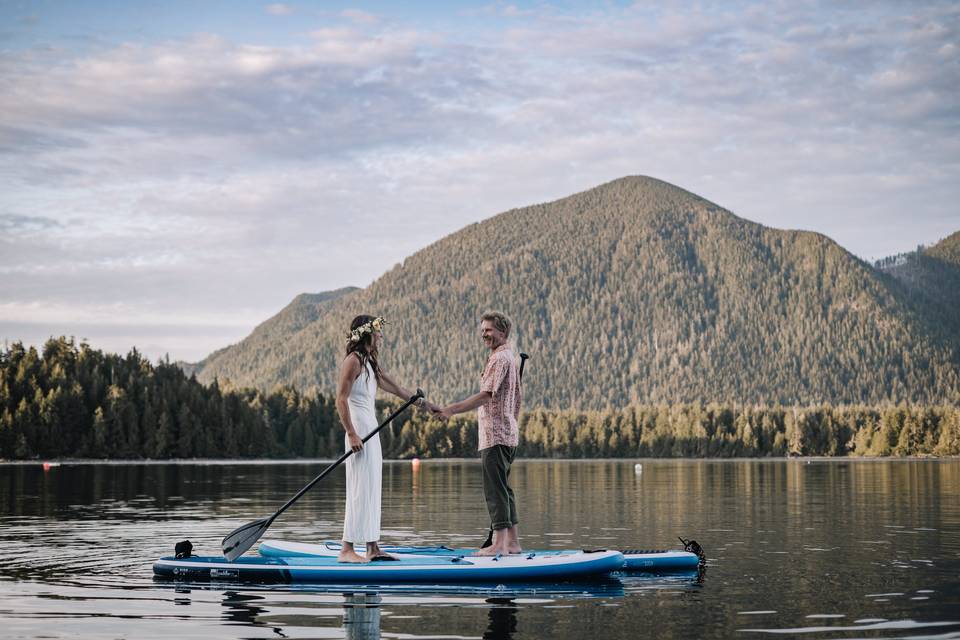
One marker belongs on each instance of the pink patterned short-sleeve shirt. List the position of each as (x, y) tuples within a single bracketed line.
[(498, 417)]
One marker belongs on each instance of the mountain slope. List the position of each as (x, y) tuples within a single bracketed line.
[(241, 362), (931, 278), (635, 291)]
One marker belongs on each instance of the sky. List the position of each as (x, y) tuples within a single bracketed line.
[(174, 173)]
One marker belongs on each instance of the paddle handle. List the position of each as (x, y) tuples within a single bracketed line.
[(523, 361), (419, 394)]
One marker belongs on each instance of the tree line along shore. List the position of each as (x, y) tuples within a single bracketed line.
[(68, 400)]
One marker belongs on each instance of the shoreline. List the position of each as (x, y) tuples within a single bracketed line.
[(56, 462)]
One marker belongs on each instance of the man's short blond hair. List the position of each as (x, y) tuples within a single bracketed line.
[(499, 320)]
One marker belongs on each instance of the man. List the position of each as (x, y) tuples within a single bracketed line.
[(498, 408)]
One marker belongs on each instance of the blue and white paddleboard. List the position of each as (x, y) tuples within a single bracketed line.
[(634, 560), (408, 569)]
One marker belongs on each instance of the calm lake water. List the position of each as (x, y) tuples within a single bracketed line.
[(818, 549)]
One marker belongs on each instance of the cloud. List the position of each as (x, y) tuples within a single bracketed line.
[(206, 100), (279, 9), (17, 224), (361, 17)]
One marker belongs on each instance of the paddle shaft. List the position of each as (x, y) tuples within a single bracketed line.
[(339, 461)]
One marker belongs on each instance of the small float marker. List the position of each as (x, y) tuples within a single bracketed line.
[(49, 465), (416, 463), (638, 468)]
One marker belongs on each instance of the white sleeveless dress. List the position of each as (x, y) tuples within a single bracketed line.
[(361, 524)]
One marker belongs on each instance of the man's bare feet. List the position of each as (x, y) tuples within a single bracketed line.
[(505, 542), (492, 550)]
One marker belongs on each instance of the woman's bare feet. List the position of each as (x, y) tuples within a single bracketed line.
[(374, 552), (347, 554)]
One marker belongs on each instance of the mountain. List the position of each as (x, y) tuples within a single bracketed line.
[(634, 291), (267, 341), (931, 277)]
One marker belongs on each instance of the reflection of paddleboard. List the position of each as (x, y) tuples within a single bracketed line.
[(411, 568), (607, 585), (634, 560)]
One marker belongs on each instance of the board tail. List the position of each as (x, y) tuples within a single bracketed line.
[(694, 547)]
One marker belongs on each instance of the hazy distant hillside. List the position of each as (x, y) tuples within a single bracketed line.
[(635, 291), (244, 360), (931, 277)]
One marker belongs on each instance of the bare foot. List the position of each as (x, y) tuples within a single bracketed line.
[(489, 551), (350, 556), (515, 550), (374, 552)]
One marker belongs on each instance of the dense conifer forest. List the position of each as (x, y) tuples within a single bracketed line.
[(70, 401), (636, 293), (930, 277)]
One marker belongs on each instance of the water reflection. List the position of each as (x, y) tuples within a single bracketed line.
[(869, 539), (361, 616), (242, 608), (360, 610), (361, 619), (502, 619)]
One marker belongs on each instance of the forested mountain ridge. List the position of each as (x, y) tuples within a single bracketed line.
[(931, 277), (636, 291), (267, 339)]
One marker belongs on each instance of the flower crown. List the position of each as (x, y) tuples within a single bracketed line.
[(367, 327)]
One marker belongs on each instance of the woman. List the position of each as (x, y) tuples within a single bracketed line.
[(360, 376)]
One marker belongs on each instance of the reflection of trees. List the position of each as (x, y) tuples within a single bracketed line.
[(502, 619)]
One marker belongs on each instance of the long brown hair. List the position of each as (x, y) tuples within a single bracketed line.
[(360, 346)]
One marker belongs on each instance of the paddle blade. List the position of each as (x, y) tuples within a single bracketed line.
[(236, 543)]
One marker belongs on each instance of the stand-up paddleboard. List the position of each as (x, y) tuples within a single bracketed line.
[(634, 559), (407, 569)]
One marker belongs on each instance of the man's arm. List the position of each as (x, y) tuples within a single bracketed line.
[(469, 404)]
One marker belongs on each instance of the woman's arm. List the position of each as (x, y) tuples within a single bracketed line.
[(349, 370), (387, 384), (390, 386)]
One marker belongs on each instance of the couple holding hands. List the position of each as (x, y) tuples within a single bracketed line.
[(498, 409)]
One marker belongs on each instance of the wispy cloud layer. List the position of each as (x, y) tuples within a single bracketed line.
[(279, 9), (209, 177)]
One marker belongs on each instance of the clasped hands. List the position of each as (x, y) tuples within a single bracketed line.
[(437, 411)]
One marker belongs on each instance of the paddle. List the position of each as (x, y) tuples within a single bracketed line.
[(240, 539), (489, 540)]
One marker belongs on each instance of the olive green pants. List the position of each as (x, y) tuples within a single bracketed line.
[(501, 505)]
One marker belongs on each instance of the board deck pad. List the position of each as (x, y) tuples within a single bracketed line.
[(634, 560)]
